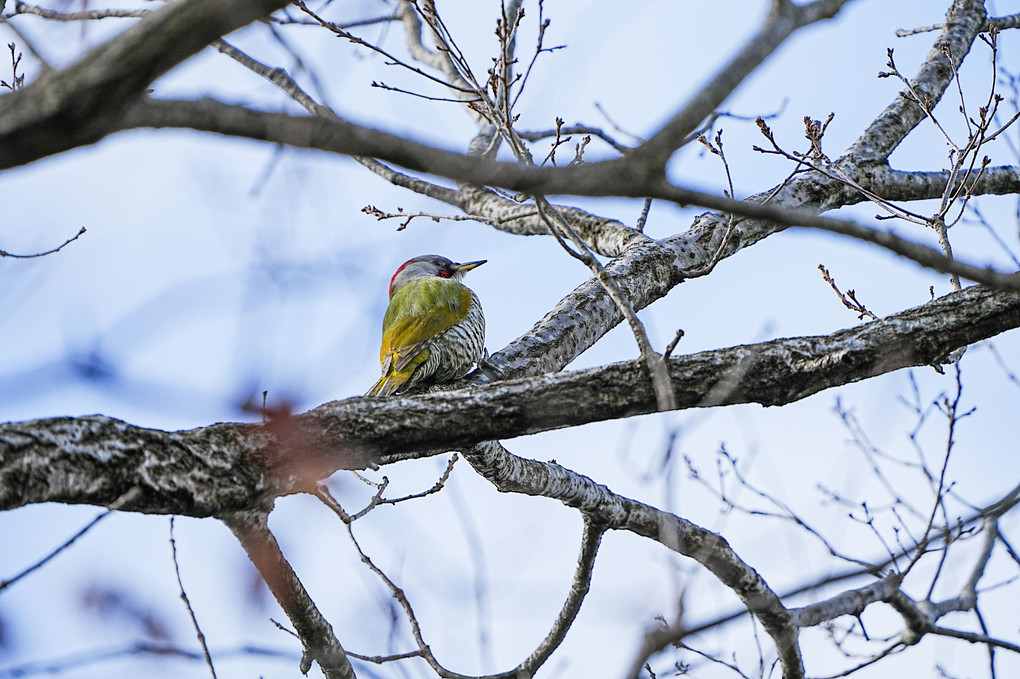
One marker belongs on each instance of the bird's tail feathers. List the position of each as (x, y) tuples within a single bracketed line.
[(379, 388), (389, 384)]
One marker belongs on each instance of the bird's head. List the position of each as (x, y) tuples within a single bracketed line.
[(430, 266)]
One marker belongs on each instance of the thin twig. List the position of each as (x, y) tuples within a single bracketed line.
[(380, 659), (46, 559), (672, 344), (338, 30), (436, 217), (654, 363), (426, 97), (277, 76), (850, 299), (322, 492), (731, 219), (290, 21), (643, 217), (436, 487), (424, 651), (605, 114), (60, 247), (75, 662), (187, 602), (975, 638)]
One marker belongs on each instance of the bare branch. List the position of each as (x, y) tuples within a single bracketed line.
[(89, 15), (574, 129), (290, 453), (316, 634), (964, 21), (46, 559), (510, 473), (83, 100), (850, 299), (187, 603), (47, 252), (783, 20)]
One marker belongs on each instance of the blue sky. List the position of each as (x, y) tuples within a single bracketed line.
[(213, 269)]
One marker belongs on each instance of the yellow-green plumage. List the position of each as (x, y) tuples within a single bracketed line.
[(433, 330)]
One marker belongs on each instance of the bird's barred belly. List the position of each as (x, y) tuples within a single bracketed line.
[(456, 350)]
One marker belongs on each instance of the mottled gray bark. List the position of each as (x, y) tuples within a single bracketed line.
[(227, 467)]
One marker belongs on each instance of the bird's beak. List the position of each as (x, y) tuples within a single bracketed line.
[(467, 266)]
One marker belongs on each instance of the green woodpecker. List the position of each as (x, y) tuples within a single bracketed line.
[(433, 330)]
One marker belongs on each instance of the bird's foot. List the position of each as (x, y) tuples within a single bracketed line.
[(485, 364)]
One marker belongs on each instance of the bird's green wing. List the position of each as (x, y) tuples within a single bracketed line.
[(418, 312)]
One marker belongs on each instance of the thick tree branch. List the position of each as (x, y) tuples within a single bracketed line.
[(906, 186), (224, 468), (337, 135), (605, 178), (102, 461), (513, 474), (783, 20), (316, 634), (851, 602), (79, 105), (965, 19), (235, 471)]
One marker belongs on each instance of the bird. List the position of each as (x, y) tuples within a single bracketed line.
[(434, 328)]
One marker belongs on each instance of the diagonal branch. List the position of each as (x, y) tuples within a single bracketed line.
[(783, 20), (4, 584), (187, 603), (965, 19), (654, 363), (78, 105), (614, 177), (590, 541), (510, 473), (316, 634)]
